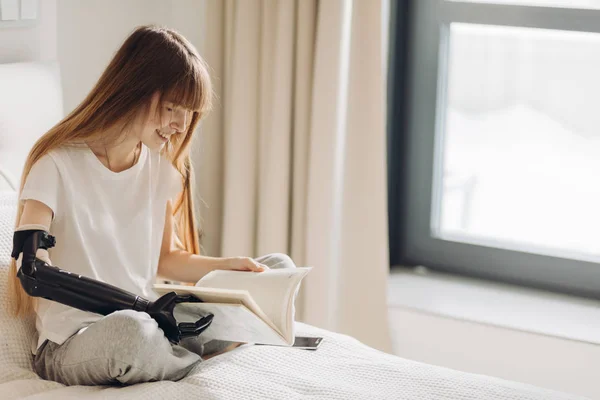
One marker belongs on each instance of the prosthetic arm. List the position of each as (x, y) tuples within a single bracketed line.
[(39, 279)]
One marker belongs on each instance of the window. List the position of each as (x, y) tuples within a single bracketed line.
[(500, 144), (591, 4)]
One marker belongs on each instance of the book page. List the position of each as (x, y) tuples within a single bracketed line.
[(233, 322), (273, 290), (217, 295)]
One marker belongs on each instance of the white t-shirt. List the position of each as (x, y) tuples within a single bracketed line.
[(108, 226)]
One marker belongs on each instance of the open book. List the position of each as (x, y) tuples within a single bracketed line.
[(249, 307)]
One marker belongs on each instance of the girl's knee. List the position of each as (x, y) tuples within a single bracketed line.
[(129, 321), (277, 260), (132, 329), (139, 348)]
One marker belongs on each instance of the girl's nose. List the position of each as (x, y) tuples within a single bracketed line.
[(179, 120)]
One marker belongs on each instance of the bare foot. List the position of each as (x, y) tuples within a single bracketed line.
[(225, 350)]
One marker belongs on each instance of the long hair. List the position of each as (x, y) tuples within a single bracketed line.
[(151, 60)]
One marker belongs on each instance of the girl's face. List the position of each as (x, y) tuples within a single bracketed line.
[(163, 121)]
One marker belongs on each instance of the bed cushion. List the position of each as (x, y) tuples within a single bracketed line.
[(341, 369), (15, 333), (30, 104)]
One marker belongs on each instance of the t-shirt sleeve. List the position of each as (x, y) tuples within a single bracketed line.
[(42, 184)]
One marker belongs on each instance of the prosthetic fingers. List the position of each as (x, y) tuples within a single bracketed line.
[(39, 279)]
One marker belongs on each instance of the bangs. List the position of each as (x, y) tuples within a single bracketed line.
[(192, 91)]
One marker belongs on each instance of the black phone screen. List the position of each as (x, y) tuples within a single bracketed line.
[(307, 342)]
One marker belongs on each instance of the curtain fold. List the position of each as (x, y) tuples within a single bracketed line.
[(299, 147)]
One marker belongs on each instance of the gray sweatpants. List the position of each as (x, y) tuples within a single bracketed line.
[(128, 347)]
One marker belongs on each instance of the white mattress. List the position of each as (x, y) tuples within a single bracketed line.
[(342, 368)]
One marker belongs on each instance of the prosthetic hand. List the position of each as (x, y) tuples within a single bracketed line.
[(39, 279)]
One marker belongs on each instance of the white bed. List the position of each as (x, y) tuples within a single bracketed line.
[(342, 368)]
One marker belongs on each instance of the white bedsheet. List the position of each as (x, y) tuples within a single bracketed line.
[(342, 368)]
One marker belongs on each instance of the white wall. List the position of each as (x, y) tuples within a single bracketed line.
[(89, 33), (31, 43), (83, 35), (544, 361)]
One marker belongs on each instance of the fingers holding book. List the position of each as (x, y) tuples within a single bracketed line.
[(243, 264)]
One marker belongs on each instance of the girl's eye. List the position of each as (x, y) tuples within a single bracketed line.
[(169, 109)]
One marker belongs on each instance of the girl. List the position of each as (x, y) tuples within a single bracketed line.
[(113, 183)]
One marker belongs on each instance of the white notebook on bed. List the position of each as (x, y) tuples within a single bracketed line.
[(249, 307)]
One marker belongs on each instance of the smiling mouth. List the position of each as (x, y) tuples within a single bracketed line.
[(163, 136)]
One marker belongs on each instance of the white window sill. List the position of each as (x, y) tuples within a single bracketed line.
[(496, 304)]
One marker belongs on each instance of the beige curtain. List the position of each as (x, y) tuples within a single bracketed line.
[(293, 158)]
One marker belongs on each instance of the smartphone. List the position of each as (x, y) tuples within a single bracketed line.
[(307, 343)]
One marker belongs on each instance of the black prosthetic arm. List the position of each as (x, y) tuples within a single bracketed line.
[(40, 279)]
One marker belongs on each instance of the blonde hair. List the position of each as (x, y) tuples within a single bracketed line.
[(151, 60)]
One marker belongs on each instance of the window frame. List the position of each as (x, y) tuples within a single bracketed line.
[(417, 106)]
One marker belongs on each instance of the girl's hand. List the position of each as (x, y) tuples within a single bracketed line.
[(242, 264)]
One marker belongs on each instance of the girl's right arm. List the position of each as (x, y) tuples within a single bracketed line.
[(177, 264)]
